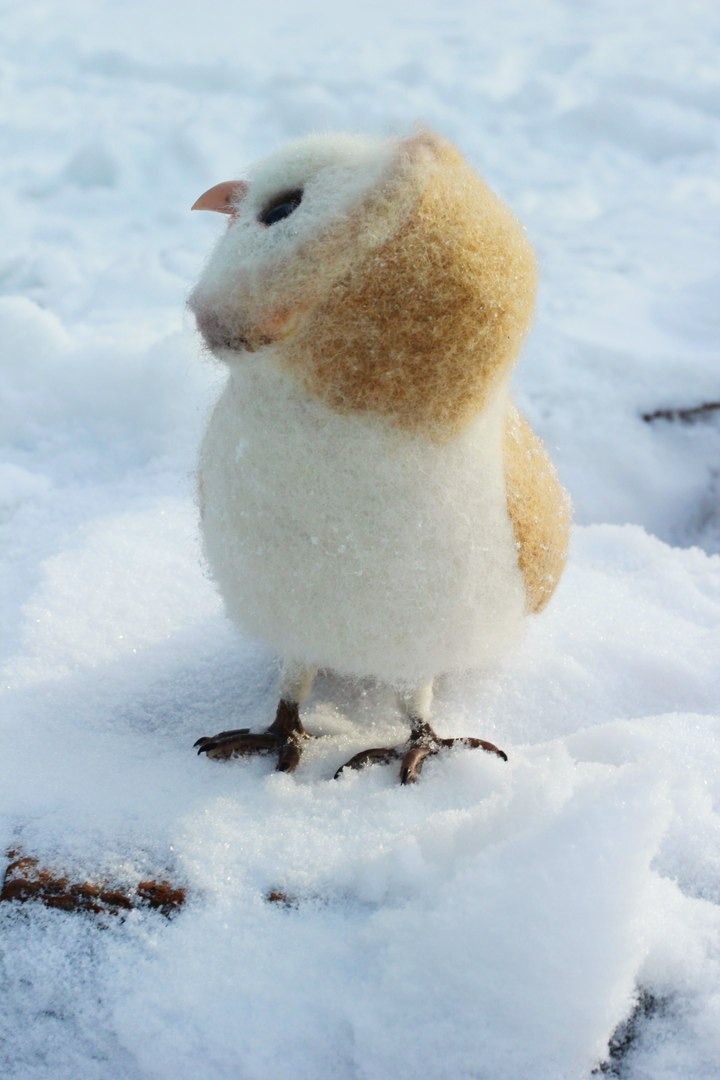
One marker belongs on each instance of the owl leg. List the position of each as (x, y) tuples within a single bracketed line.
[(423, 741), (285, 734)]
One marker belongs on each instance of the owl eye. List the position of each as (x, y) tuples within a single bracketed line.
[(281, 207)]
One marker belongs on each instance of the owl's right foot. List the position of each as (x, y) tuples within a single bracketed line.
[(283, 737), (423, 743)]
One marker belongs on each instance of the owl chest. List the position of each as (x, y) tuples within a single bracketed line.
[(339, 542), (287, 480)]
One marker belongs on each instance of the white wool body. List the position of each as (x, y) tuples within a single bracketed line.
[(347, 543)]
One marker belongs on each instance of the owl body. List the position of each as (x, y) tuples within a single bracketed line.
[(346, 543), (371, 500)]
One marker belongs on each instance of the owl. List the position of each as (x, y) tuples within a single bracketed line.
[(371, 500)]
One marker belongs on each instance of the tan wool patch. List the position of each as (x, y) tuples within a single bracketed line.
[(423, 328), (539, 509)]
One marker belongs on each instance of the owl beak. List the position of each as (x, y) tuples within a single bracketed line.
[(222, 198)]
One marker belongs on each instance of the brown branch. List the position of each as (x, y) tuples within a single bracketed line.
[(26, 880)]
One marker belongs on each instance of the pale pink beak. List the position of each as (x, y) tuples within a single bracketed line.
[(223, 197)]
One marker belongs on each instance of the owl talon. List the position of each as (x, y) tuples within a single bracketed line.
[(284, 736), (235, 743), (413, 762), (222, 735), (423, 743), (289, 756), (476, 744), (203, 740), (376, 756)]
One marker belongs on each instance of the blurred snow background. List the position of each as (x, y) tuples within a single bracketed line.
[(495, 922)]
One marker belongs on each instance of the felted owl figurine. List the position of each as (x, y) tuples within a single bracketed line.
[(372, 502)]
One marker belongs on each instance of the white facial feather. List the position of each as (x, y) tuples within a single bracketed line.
[(333, 171), (257, 271)]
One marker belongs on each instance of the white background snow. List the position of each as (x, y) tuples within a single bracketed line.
[(496, 921)]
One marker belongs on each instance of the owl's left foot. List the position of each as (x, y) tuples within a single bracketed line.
[(423, 743), (284, 737)]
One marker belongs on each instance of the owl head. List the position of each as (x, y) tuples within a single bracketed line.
[(384, 275)]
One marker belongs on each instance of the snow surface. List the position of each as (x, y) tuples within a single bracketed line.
[(495, 921)]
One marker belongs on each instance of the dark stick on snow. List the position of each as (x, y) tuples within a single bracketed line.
[(681, 414)]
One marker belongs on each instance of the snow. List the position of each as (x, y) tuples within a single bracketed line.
[(497, 920)]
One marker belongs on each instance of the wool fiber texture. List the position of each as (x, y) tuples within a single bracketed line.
[(372, 501)]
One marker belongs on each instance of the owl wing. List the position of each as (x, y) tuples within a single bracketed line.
[(539, 508)]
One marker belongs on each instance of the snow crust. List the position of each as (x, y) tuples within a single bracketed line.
[(497, 920)]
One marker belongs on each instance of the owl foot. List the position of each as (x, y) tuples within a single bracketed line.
[(423, 743), (283, 737)]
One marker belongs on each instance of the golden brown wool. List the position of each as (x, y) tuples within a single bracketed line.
[(539, 509), (422, 329)]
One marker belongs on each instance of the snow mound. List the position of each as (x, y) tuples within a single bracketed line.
[(493, 921)]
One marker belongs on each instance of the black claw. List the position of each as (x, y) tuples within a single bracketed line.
[(216, 739)]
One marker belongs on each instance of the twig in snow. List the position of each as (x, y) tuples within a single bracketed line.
[(686, 415), (25, 879), (626, 1034)]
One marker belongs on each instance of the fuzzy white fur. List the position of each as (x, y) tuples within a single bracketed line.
[(349, 544)]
